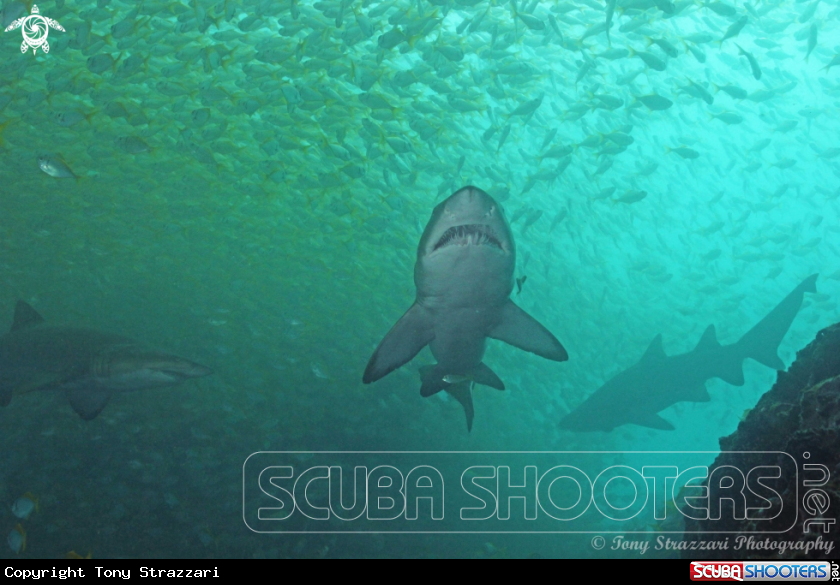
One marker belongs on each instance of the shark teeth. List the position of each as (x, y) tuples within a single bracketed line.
[(469, 235)]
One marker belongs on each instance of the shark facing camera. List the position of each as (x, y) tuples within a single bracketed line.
[(464, 279)]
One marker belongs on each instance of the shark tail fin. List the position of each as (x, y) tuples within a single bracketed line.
[(462, 392), (762, 341)]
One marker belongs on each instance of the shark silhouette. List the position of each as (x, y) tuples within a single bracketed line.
[(657, 381), (464, 277), (88, 366)]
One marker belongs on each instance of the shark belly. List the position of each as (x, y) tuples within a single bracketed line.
[(464, 291), (464, 277), (460, 339)]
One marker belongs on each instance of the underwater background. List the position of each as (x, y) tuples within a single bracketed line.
[(245, 184)]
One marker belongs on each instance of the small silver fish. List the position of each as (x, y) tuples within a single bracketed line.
[(55, 167), (455, 378)]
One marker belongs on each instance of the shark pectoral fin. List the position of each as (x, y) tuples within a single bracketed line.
[(432, 381), (462, 392), (487, 377), (25, 316), (88, 402), (519, 329), (404, 341), (654, 421)]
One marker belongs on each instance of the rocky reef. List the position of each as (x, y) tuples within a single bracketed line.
[(799, 416)]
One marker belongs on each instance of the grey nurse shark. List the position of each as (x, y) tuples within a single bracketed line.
[(657, 381), (87, 365), (464, 278)]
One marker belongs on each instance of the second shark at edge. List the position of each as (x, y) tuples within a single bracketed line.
[(658, 381)]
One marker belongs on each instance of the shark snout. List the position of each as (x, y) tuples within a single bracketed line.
[(470, 205)]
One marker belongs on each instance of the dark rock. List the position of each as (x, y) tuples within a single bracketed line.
[(799, 416)]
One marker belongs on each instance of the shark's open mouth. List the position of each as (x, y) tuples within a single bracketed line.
[(469, 235)]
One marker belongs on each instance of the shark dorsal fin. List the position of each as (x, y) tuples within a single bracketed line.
[(654, 350), (25, 316), (708, 339)]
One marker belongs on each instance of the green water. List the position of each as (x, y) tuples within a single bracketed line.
[(250, 181)]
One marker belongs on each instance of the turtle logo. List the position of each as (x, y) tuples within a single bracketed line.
[(35, 30)]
